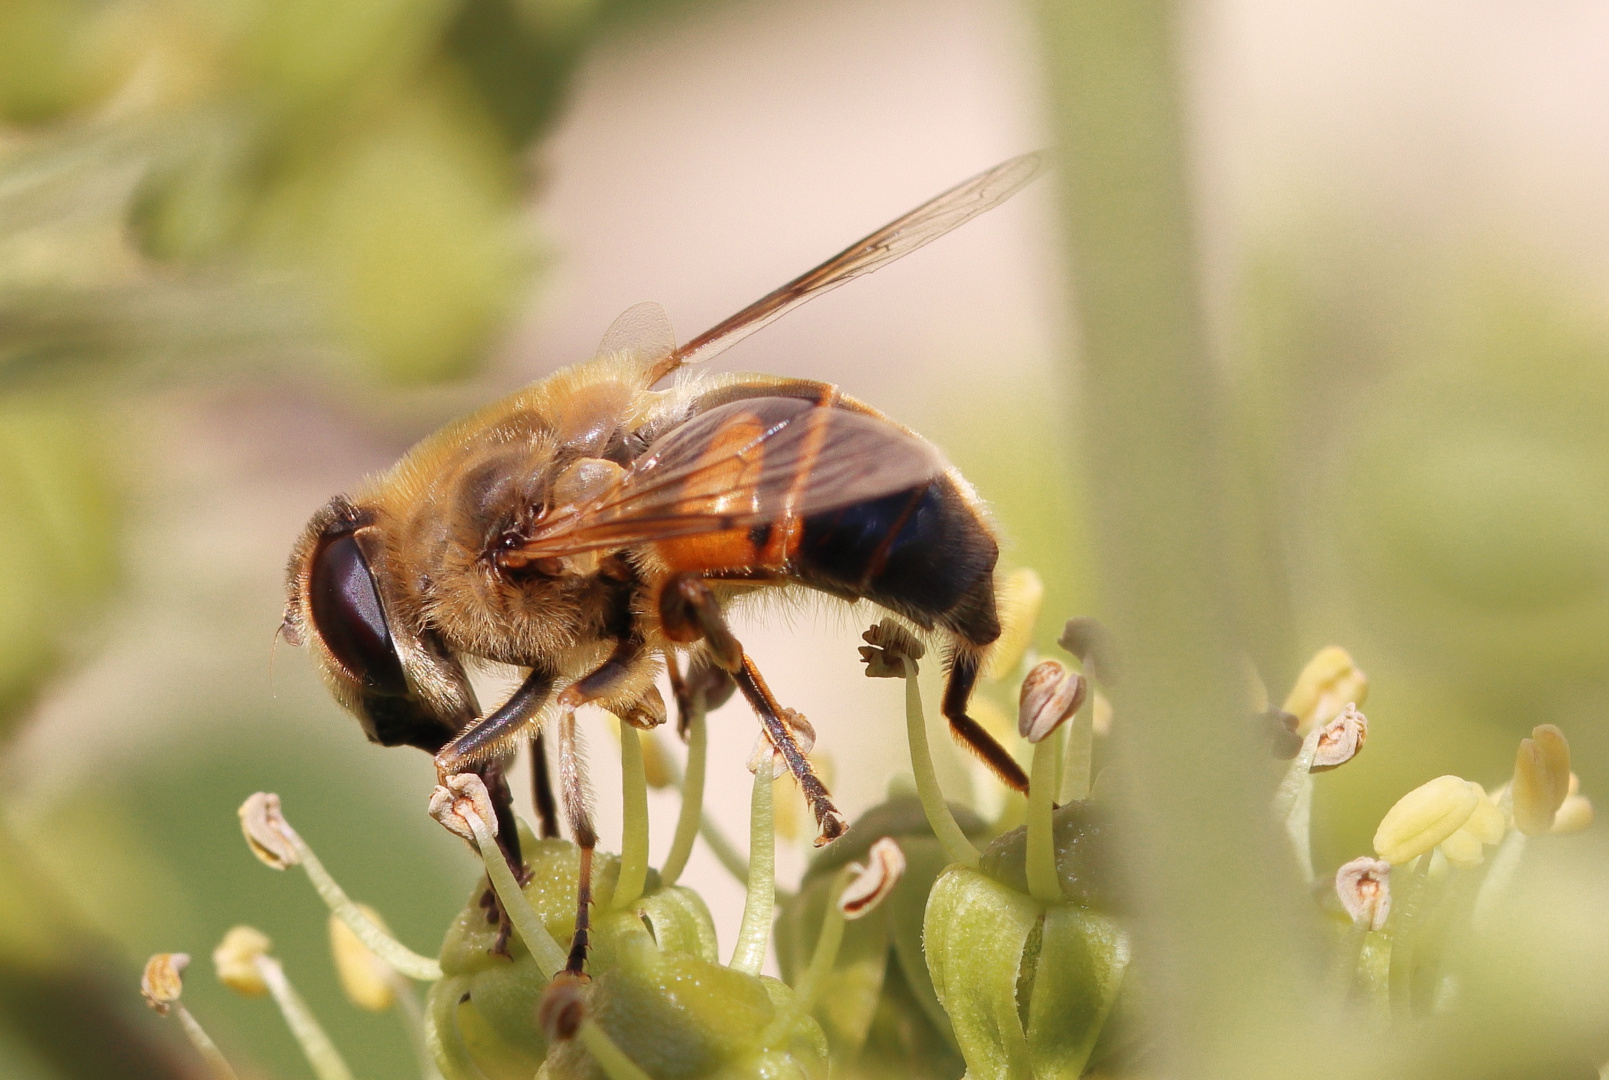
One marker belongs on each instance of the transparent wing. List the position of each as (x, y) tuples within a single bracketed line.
[(742, 464), (643, 330), (921, 226)]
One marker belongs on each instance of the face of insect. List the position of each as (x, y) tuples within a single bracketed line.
[(390, 589)]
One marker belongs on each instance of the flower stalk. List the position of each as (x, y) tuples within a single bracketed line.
[(161, 985)]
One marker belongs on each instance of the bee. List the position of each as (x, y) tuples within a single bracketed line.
[(590, 530)]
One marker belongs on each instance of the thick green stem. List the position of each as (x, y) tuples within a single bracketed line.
[(939, 819), (217, 1064), (1222, 960), (527, 923), (379, 942), (321, 1053), (692, 812), (634, 817), (610, 1058), (755, 931), (1044, 884)]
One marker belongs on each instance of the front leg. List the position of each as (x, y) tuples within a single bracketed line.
[(690, 612), (477, 749)]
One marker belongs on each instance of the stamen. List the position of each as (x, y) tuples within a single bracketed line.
[(245, 966), (161, 984), (459, 808), (939, 819), (1044, 884), (273, 841), (320, 1052), (634, 817), (692, 784), (748, 954)]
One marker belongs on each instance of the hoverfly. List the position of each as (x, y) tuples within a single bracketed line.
[(590, 529)]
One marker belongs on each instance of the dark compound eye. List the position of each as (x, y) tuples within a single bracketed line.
[(348, 616)]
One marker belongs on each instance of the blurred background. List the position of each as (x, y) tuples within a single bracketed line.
[(251, 250)]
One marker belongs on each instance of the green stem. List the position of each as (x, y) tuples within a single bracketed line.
[(1078, 771), (1044, 884), (1293, 804), (1505, 864), (379, 942), (610, 1058), (692, 812), (815, 975), (527, 923), (316, 1045), (217, 1064), (939, 819), (634, 817), (755, 931)]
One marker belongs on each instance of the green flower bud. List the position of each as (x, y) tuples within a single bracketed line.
[(1082, 835), (657, 988), (1027, 986)]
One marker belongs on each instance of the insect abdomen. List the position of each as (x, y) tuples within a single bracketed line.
[(922, 553)]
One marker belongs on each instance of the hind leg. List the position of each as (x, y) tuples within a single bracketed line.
[(964, 663)]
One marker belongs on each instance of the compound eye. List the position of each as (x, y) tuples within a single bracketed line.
[(348, 616)]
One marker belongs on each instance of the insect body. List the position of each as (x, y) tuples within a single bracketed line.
[(590, 528)]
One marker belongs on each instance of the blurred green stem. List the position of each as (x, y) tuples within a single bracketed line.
[(692, 811), (321, 1053), (939, 819), (634, 818), (217, 1064), (758, 906), (1219, 950)]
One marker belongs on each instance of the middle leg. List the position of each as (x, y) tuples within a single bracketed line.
[(689, 612)]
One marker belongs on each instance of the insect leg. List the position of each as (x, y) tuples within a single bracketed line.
[(689, 610), (547, 810), (957, 692), (573, 782), (485, 738)]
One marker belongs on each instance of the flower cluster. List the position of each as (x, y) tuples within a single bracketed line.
[(928, 941)]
